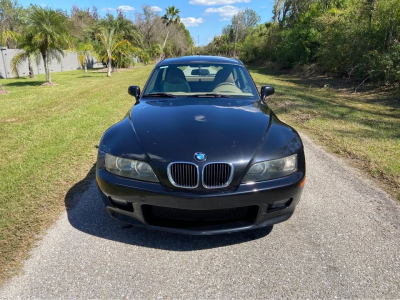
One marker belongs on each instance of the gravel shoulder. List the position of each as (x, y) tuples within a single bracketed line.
[(343, 241)]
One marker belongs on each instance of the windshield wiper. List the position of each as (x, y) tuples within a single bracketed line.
[(159, 95), (214, 95)]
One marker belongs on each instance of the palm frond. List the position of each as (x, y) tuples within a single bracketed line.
[(120, 44), (8, 35), (56, 54), (17, 61)]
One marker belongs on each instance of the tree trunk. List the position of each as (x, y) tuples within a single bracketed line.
[(48, 76), (46, 66), (30, 67), (109, 67), (165, 41), (86, 64), (237, 29)]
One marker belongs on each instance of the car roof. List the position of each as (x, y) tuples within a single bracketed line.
[(205, 59)]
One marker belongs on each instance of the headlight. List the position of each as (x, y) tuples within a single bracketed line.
[(129, 168), (271, 169)]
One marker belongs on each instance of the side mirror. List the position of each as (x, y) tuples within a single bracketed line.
[(134, 91), (267, 90)]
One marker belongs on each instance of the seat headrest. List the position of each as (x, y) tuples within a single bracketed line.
[(175, 75), (224, 75)]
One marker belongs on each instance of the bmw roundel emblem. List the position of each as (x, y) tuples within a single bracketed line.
[(200, 156)]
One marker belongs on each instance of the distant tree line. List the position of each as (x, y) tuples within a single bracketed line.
[(43, 34), (358, 38)]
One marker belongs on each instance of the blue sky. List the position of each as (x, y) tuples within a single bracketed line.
[(203, 18)]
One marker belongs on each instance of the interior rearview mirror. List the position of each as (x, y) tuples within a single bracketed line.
[(267, 90), (134, 91)]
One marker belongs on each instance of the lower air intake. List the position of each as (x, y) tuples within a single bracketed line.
[(200, 215)]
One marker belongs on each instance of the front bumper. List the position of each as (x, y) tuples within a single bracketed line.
[(130, 201)]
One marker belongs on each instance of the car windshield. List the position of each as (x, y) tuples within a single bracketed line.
[(201, 80)]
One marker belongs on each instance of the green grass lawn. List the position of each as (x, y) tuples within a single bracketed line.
[(47, 143), (364, 127), (48, 136)]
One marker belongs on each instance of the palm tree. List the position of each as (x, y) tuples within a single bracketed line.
[(171, 17), (84, 50), (112, 42), (29, 52), (124, 55), (48, 33), (155, 51), (18, 59)]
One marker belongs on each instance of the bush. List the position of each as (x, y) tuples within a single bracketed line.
[(348, 37)]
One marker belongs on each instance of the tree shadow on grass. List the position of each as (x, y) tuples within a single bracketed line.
[(384, 96), (295, 98), (24, 83), (87, 213), (298, 100)]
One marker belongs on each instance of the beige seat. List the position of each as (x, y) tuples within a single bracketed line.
[(224, 82), (223, 75), (175, 81)]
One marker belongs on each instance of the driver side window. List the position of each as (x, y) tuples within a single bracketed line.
[(154, 85)]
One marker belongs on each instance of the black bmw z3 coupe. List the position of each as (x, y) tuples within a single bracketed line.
[(200, 152)]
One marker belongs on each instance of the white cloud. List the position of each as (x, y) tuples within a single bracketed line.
[(216, 2), (121, 7), (227, 11), (191, 22), (43, 5), (156, 8), (126, 8)]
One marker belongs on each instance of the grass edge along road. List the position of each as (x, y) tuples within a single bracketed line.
[(48, 134), (47, 144), (364, 126)]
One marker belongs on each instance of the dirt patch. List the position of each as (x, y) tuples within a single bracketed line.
[(3, 92), (104, 70), (49, 84), (11, 120), (302, 118), (284, 103)]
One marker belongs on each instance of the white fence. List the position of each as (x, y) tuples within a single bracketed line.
[(69, 62)]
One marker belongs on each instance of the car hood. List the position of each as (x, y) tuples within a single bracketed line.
[(224, 129)]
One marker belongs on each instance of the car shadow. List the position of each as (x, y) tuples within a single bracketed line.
[(86, 212)]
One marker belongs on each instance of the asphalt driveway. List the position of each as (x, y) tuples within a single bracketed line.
[(343, 241)]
